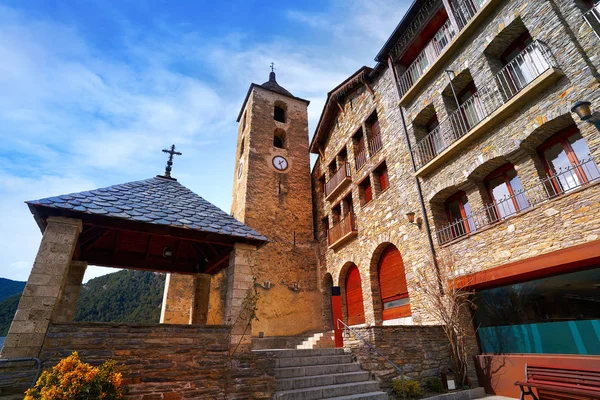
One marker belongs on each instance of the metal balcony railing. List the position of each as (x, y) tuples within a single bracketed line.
[(426, 57), (592, 17), (546, 189), (345, 228), (375, 144), (361, 159), (465, 10), (339, 177), (529, 64)]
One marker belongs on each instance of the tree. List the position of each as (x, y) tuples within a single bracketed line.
[(451, 306)]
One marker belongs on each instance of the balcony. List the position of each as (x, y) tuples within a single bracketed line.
[(375, 144), (338, 181), (426, 57), (361, 159), (546, 189), (342, 232), (592, 18), (469, 15), (527, 74)]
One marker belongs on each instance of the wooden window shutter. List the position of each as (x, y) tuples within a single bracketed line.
[(392, 283), (384, 180), (375, 130), (368, 193), (354, 298)]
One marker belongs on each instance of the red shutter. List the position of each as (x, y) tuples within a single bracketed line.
[(392, 282), (354, 298), (384, 180), (368, 193)]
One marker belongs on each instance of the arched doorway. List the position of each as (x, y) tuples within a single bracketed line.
[(354, 297), (392, 284)]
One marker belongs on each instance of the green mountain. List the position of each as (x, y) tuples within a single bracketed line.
[(123, 296), (9, 288)]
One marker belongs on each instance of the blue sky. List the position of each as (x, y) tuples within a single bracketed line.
[(91, 90)]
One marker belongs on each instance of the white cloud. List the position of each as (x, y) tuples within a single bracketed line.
[(80, 118)]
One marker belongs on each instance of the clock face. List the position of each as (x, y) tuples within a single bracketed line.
[(240, 170), (280, 163)]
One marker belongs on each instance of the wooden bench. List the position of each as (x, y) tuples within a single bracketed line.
[(555, 383)]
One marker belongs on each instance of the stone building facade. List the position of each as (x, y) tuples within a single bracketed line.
[(473, 101)]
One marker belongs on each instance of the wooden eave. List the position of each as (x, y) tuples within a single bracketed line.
[(333, 105)]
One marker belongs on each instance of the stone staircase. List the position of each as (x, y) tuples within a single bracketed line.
[(321, 340), (326, 373)]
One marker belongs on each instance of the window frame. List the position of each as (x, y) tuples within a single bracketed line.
[(562, 137), (364, 185), (497, 173), (465, 222)]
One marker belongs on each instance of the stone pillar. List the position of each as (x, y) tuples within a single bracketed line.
[(68, 301), (239, 302), (43, 290), (200, 299), (177, 299)]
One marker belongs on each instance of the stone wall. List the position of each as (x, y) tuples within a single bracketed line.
[(278, 205), (422, 351), (166, 361)]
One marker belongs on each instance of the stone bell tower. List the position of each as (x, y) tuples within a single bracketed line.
[(272, 194)]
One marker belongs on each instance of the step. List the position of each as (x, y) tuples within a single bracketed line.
[(292, 372), (365, 396), (304, 361), (321, 380), (289, 353), (329, 391)]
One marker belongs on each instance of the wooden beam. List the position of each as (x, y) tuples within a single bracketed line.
[(369, 88), (340, 107), (217, 261)]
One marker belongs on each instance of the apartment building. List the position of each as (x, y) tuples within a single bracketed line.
[(462, 142)]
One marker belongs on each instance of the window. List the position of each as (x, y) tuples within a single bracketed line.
[(321, 183), (552, 315), (381, 174), (567, 160), (279, 112), (279, 139), (471, 107), (244, 122), (242, 146), (336, 214), (392, 284), (366, 191), (325, 224), (359, 145), (354, 297), (375, 142), (348, 205), (458, 211), (506, 192)]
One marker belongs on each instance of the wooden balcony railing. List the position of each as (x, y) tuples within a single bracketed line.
[(375, 144), (546, 189), (338, 180), (361, 159), (343, 231)]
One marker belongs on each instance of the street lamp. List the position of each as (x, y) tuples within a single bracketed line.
[(583, 110)]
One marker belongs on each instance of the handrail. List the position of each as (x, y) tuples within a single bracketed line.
[(35, 359), (529, 64), (550, 187), (393, 364)]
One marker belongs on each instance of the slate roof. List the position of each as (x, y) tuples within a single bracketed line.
[(158, 200), (273, 86)]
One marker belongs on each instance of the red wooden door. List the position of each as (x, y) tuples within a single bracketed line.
[(354, 298), (392, 284)]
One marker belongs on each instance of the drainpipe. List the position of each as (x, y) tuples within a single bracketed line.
[(414, 165)]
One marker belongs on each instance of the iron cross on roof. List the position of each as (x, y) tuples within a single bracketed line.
[(171, 152), (272, 67)]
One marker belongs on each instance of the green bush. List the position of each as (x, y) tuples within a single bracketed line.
[(434, 385), (412, 389)]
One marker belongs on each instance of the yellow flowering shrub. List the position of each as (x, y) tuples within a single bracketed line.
[(72, 379)]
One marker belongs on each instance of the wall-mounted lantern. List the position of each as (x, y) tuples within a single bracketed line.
[(583, 110), (411, 219)]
